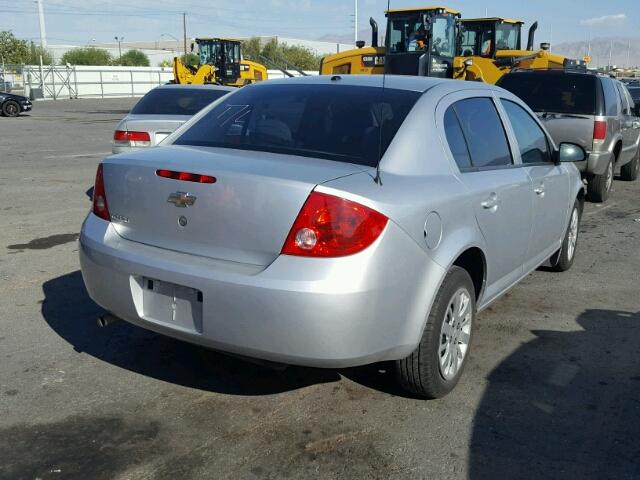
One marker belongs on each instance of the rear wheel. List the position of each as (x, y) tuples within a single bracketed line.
[(10, 108), (599, 186), (564, 257), (435, 366), (629, 172)]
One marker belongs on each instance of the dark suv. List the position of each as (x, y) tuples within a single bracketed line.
[(594, 111)]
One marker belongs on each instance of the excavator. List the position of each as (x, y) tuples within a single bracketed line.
[(221, 63), (491, 47), (436, 42)]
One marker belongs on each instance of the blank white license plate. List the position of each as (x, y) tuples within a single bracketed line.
[(175, 305)]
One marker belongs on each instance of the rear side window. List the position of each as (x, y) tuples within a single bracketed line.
[(611, 98), (336, 122), (176, 101), (532, 141), (626, 107), (483, 132), (456, 140), (554, 92)]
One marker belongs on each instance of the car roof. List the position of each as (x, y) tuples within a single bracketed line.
[(170, 86), (397, 82)]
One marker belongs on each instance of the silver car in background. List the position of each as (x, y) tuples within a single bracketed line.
[(335, 221), (160, 112)]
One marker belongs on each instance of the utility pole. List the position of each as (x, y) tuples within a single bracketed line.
[(629, 55), (184, 31), (43, 31), (355, 22), (610, 55), (119, 40)]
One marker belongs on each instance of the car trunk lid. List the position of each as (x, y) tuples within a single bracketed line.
[(569, 128), (159, 127), (244, 216)]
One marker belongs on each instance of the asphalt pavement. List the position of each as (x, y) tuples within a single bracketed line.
[(551, 389)]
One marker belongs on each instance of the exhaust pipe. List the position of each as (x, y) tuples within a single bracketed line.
[(106, 320), (374, 32), (532, 34)]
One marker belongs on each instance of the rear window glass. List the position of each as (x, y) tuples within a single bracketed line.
[(635, 93), (176, 101), (559, 93), (337, 122)]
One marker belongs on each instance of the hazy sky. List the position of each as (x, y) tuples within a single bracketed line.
[(81, 21)]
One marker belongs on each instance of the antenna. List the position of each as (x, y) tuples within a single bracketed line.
[(377, 178)]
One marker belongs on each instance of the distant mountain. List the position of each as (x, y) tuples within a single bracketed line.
[(600, 48)]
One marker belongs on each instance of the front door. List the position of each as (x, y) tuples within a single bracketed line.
[(549, 184)]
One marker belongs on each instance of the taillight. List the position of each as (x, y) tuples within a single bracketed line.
[(599, 131), (131, 139), (329, 226), (100, 207)]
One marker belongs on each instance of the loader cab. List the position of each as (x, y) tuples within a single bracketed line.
[(484, 37), (224, 54), (421, 41)]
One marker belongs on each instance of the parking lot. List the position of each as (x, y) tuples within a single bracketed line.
[(551, 390)]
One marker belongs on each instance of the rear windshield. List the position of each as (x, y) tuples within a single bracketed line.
[(635, 93), (176, 101), (337, 122), (559, 93)]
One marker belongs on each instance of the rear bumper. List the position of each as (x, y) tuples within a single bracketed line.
[(596, 163), (342, 312)]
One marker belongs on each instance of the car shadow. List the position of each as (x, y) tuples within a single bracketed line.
[(564, 405), (70, 312)]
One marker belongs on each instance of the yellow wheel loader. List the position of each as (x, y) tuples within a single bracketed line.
[(418, 41), (434, 42), (219, 62), (491, 47)]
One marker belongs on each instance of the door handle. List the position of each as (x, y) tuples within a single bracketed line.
[(539, 191), (490, 203)]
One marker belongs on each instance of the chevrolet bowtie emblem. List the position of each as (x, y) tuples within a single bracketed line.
[(181, 199)]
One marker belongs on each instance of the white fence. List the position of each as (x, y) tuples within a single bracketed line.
[(59, 82)]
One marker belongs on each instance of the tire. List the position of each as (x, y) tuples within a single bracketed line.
[(629, 172), (599, 186), (10, 108), (563, 259), (422, 372)]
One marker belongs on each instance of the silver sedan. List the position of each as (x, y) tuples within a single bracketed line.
[(335, 221), (160, 112)]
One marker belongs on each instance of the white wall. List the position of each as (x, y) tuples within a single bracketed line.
[(89, 81)]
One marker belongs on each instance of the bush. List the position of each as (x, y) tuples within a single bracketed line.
[(190, 59), (87, 56), (134, 58), (281, 54)]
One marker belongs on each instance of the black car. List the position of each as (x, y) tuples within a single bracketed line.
[(11, 105)]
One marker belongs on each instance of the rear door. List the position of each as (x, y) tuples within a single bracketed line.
[(550, 183), (500, 191)]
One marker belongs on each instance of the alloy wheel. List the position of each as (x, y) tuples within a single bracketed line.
[(455, 334), (573, 234)]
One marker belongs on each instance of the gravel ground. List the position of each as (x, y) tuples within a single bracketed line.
[(552, 388)]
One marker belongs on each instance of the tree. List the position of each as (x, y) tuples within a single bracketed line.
[(35, 52), (134, 58), (12, 49), (190, 59), (165, 63), (288, 56), (87, 56)]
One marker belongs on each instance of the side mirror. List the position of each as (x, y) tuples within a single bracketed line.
[(570, 152), (89, 193), (192, 46)]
